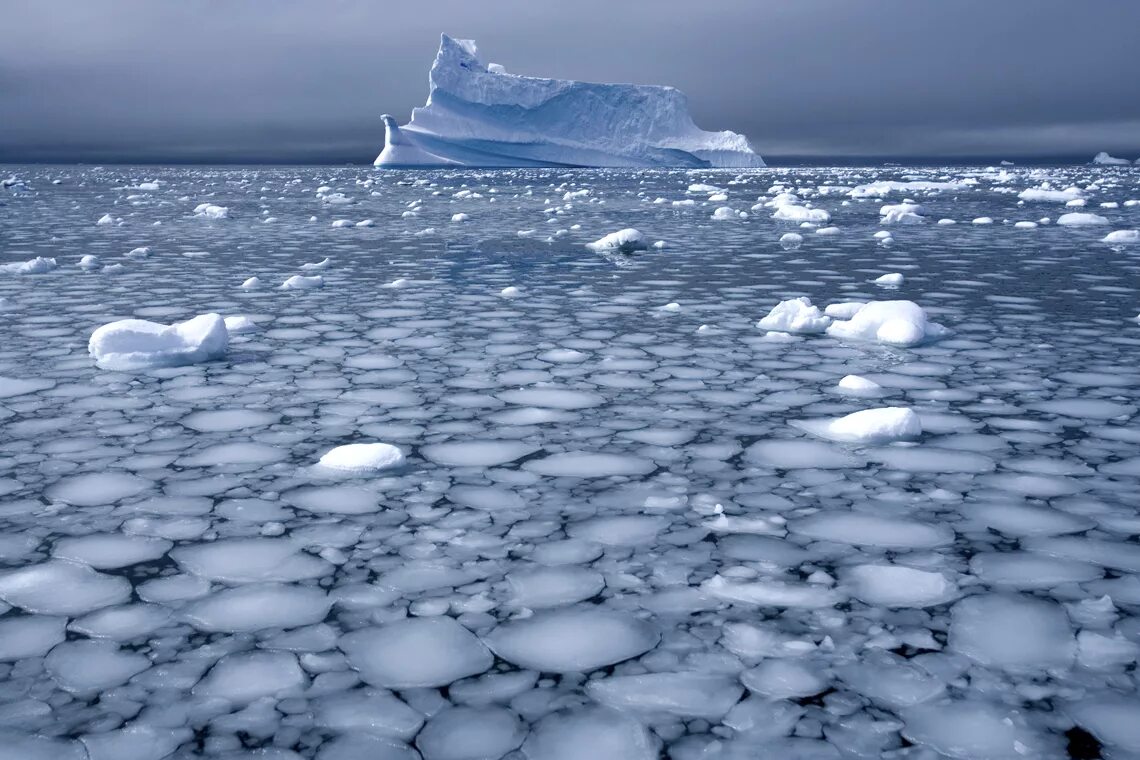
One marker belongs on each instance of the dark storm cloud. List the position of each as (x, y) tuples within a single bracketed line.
[(283, 80)]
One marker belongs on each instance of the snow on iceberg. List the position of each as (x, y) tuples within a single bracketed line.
[(622, 241), (896, 323), (797, 316), (479, 115), (1104, 159), (131, 344), (891, 423), (38, 265)]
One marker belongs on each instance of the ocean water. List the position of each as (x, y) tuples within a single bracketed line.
[(622, 528)]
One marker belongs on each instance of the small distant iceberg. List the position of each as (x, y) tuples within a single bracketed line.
[(478, 115), (1104, 159)]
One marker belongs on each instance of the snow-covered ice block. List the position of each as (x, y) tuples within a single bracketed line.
[(1122, 237), (622, 241), (133, 344), (855, 385), (791, 240), (1080, 219), (891, 423), (253, 283), (300, 282), (38, 265), (899, 586), (211, 211), (902, 213), (796, 315), (894, 279), (1104, 159), (795, 213), (363, 457), (896, 323), (89, 262), (478, 115)]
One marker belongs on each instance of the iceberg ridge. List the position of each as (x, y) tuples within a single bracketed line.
[(478, 115)]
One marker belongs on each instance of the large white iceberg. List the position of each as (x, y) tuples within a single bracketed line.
[(477, 114)]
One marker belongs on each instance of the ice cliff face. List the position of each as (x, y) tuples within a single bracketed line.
[(479, 115)]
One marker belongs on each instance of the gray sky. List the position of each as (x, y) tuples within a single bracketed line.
[(286, 80)]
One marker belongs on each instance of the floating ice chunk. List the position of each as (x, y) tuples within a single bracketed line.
[(258, 606), (29, 636), (1080, 219), (477, 453), (796, 315), (622, 241), (983, 220), (1110, 717), (891, 423), (38, 265), (57, 587), (553, 398), (684, 694), (771, 593), (799, 455), (240, 323), (105, 220), (299, 282), (896, 323), (470, 733), (510, 292), (122, 623), (974, 729), (247, 560), (1047, 194), (829, 231), (670, 307), (415, 653), (341, 223), (902, 213), (460, 218), (138, 253), (590, 733), (107, 551), (400, 282), (1025, 225), (796, 213), (899, 586), (791, 240), (13, 386), (135, 742), (337, 500), (86, 667), (374, 711), (572, 640), (947, 222), (365, 223), (248, 676), (253, 283), (1026, 570), (856, 385), (542, 587), (725, 213), (862, 529), (619, 530), (783, 679), (890, 680), (133, 344), (89, 262), (585, 464), (210, 211), (894, 279), (363, 457), (1122, 237), (318, 266), (1013, 632)]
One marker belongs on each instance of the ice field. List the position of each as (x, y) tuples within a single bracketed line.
[(815, 463)]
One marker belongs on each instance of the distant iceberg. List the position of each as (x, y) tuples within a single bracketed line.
[(1105, 159), (479, 115)]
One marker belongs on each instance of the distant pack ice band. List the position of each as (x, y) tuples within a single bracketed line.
[(478, 115)]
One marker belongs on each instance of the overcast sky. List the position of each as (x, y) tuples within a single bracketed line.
[(306, 81)]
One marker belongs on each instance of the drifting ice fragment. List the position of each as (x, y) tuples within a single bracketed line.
[(132, 344), (622, 241)]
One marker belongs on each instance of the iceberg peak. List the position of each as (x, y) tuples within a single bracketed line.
[(479, 115)]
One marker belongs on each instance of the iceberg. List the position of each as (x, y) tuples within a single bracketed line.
[(1104, 159), (478, 115)]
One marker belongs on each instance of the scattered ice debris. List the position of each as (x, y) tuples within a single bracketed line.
[(38, 265), (883, 425), (300, 282), (892, 280), (797, 316), (134, 344), (622, 241), (211, 211), (1048, 194), (1080, 219), (896, 323), (363, 457)]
